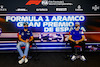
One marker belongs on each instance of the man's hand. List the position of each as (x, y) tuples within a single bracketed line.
[(77, 42), (27, 40)]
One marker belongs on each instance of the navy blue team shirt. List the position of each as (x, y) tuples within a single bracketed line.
[(25, 34), (76, 35)]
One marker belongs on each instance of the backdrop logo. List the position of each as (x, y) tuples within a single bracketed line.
[(36, 2)]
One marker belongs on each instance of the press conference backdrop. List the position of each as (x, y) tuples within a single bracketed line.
[(50, 21), (50, 31)]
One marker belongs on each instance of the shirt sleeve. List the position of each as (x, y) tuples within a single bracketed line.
[(82, 33), (31, 33), (19, 32), (71, 32)]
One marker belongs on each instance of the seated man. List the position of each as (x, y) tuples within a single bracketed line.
[(77, 37), (25, 36)]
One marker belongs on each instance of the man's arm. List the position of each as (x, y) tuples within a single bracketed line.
[(21, 39), (31, 38), (82, 39), (70, 38)]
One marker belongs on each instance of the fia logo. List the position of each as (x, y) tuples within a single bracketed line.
[(45, 2)]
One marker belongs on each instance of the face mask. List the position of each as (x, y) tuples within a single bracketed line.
[(77, 27), (25, 27)]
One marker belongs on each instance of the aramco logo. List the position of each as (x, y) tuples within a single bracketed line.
[(36, 2)]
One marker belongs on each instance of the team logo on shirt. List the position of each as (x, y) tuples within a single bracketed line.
[(22, 33), (28, 33), (73, 32), (81, 32)]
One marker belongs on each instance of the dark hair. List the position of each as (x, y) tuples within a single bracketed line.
[(25, 23)]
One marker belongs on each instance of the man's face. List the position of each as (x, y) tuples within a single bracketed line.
[(76, 25)]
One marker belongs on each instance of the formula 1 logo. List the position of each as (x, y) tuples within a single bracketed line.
[(36, 2)]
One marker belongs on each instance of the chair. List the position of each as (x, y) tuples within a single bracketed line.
[(76, 50)]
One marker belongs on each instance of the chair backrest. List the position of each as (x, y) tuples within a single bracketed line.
[(24, 47), (18, 34)]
